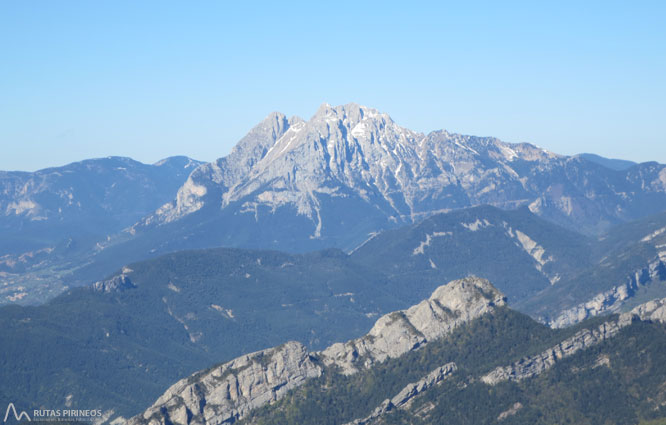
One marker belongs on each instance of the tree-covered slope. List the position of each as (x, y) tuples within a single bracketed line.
[(516, 250), (619, 381), (119, 346)]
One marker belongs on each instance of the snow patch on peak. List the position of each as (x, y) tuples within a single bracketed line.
[(225, 312), (359, 130), (351, 113), (283, 144), (508, 153)]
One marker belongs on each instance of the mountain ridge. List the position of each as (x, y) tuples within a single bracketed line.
[(227, 392), (345, 174), (55, 219), (252, 388), (351, 156)]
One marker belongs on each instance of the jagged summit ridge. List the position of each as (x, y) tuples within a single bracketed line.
[(351, 170), (399, 332), (357, 153)]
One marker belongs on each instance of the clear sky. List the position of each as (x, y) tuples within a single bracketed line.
[(150, 79)]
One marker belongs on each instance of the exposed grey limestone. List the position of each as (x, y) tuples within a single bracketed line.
[(209, 181), (225, 393), (652, 311), (528, 367), (510, 411), (534, 365), (611, 301), (413, 389), (399, 332), (407, 394), (115, 284), (356, 153)]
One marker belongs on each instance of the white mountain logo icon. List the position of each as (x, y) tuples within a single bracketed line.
[(17, 416)]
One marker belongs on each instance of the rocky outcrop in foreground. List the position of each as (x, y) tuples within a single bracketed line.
[(534, 365), (400, 332), (613, 299), (528, 367), (408, 393), (226, 393)]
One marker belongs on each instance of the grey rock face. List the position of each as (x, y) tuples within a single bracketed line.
[(532, 366), (654, 310), (225, 393), (210, 181), (407, 394), (399, 332), (357, 155), (115, 284), (510, 411), (613, 299)]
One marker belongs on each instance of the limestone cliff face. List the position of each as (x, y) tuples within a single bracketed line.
[(651, 311), (525, 368), (528, 367), (346, 155), (117, 283), (613, 299), (399, 332), (226, 393), (534, 365), (407, 394)]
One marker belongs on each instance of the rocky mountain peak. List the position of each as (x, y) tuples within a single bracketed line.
[(262, 137), (352, 113), (396, 333), (357, 156), (178, 161)]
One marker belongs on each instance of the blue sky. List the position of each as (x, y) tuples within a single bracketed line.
[(81, 79)]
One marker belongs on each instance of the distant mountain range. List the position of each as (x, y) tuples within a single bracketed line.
[(156, 321), (85, 199), (296, 185), (140, 275), (54, 220), (613, 164)]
